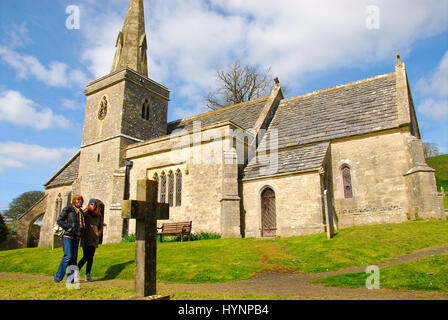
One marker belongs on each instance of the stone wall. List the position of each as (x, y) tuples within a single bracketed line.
[(27, 220), (425, 202), (377, 164), (102, 159), (200, 158), (56, 199), (298, 203)]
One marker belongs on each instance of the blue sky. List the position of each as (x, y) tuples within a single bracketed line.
[(309, 45)]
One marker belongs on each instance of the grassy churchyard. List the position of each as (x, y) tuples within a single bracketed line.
[(222, 261), (440, 163)]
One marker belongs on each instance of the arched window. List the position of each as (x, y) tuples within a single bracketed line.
[(179, 189), (58, 207), (145, 110), (163, 188), (171, 189), (347, 182), (156, 179)]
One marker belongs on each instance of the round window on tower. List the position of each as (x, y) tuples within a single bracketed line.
[(102, 112)]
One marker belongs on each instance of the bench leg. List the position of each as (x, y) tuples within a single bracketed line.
[(181, 237)]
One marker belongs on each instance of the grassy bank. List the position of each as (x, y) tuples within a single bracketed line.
[(429, 274), (223, 260), (440, 164)]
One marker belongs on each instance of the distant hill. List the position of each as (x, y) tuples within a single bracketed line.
[(440, 163)]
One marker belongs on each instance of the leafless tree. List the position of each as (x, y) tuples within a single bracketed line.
[(239, 83), (430, 149)]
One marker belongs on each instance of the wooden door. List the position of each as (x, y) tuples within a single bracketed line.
[(268, 214)]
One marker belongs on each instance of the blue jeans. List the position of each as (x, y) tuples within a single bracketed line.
[(70, 247)]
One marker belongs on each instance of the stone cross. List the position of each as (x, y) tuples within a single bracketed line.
[(146, 210)]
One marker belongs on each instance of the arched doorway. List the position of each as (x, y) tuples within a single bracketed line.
[(268, 214), (101, 210), (26, 221), (34, 232)]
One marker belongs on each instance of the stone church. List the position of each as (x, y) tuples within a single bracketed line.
[(274, 166)]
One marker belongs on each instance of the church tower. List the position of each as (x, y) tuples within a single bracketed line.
[(122, 108)]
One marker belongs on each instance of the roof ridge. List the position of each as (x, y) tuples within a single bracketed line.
[(222, 109), (341, 86), (69, 161)]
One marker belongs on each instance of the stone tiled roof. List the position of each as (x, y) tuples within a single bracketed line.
[(66, 175), (304, 158), (356, 108), (243, 114)]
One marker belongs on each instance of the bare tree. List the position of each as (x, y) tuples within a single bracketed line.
[(239, 83), (430, 150)]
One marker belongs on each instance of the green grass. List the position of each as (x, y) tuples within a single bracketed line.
[(45, 290), (440, 164), (426, 274), (221, 260)]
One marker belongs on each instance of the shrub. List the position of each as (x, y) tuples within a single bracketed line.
[(193, 237), (129, 238), (3, 230)]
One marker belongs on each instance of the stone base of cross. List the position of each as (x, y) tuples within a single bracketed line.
[(146, 210)]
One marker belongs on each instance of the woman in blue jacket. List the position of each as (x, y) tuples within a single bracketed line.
[(71, 220)]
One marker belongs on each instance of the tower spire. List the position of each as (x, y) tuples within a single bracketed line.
[(131, 43)]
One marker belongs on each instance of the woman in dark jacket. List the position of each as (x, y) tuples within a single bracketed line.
[(71, 220), (90, 238)]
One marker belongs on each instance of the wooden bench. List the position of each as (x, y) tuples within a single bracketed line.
[(174, 229)]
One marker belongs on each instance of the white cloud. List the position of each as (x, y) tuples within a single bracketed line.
[(21, 155), (20, 111), (435, 90), (71, 104), (56, 75), (17, 35), (190, 39), (434, 109), (437, 83)]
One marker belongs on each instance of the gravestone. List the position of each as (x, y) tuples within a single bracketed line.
[(146, 210)]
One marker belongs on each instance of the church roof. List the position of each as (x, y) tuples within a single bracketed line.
[(356, 108), (243, 114), (66, 175), (313, 120), (300, 159)]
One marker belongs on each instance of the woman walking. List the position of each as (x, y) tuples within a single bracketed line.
[(90, 238), (71, 220)]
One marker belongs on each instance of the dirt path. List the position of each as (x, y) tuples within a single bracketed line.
[(286, 284)]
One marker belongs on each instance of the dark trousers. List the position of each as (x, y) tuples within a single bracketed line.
[(89, 252)]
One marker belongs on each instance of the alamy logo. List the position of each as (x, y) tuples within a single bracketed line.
[(73, 21), (373, 17), (73, 273), (373, 280)]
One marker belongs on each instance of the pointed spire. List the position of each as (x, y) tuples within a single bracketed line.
[(131, 43), (400, 63)]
